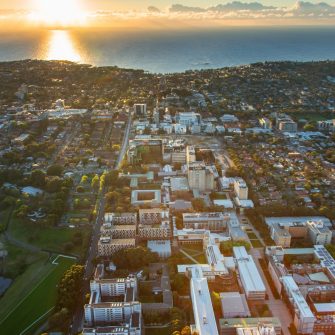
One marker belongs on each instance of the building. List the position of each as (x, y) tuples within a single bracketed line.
[(234, 304), (326, 260), (161, 247), (280, 235), (214, 221), (303, 316), (265, 123), (216, 260), (200, 177), (288, 126), (328, 125), (230, 326), (153, 216), (140, 110), (251, 280), (319, 233), (205, 323), (241, 189), (283, 229), (260, 330), (118, 231), (188, 118), (197, 236), (108, 246), (121, 218), (146, 197), (115, 287), (154, 232)]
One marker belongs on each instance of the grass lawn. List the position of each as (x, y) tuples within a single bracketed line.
[(40, 299), (50, 238), (313, 116), (24, 281), (252, 236), (256, 244)]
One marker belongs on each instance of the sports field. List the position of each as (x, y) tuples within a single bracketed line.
[(33, 309)]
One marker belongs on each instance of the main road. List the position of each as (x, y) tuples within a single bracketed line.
[(92, 252)]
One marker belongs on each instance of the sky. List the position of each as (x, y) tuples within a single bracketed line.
[(143, 4), (168, 12)]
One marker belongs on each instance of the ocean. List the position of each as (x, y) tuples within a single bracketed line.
[(166, 51)]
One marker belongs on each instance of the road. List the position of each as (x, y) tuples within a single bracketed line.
[(92, 252), (124, 144)]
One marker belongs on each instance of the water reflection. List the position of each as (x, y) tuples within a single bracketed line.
[(60, 45)]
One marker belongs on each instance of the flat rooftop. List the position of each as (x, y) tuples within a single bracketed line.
[(248, 271), (289, 220), (202, 304)]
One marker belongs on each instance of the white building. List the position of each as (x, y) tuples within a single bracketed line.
[(205, 323), (200, 177), (251, 280), (303, 316), (188, 118), (234, 304), (241, 189), (213, 221), (319, 233), (108, 246)]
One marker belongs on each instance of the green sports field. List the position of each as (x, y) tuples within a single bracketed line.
[(38, 301)]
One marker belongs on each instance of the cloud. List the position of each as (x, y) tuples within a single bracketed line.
[(237, 12), (237, 6), (153, 9), (177, 8)]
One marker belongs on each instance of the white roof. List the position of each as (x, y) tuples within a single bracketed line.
[(289, 220), (299, 300), (223, 202), (202, 304), (325, 307), (249, 274)]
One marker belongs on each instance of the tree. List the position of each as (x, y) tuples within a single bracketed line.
[(55, 170), (186, 331), (60, 320), (198, 204), (54, 184), (95, 183), (134, 258), (116, 147), (84, 179), (37, 178), (69, 288)]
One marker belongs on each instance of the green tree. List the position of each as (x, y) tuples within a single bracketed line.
[(55, 170)]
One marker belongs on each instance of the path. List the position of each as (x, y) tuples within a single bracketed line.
[(189, 256)]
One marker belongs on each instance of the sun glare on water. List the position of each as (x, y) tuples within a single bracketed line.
[(58, 12)]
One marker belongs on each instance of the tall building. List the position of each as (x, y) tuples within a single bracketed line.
[(140, 110), (241, 189), (113, 308), (200, 177)]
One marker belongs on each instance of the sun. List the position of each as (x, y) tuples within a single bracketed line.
[(58, 12)]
